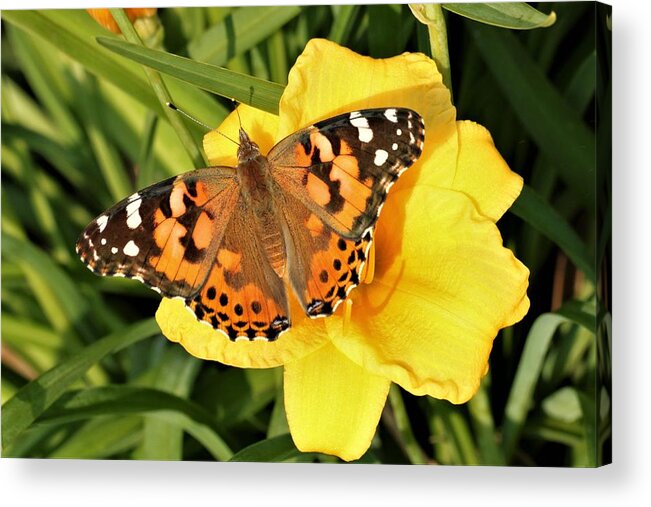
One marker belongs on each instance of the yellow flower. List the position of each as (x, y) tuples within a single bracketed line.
[(443, 284), (105, 18)]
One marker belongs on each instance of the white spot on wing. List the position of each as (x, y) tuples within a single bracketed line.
[(131, 249), (364, 132), (394, 146), (133, 197), (114, 250), (399, 132), (103, 241), (391, 115), (380, 157), (133, 216), (101, 222)]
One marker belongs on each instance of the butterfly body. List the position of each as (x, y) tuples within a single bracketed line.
[(229, 240)]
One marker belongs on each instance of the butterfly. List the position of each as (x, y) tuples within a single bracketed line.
[(230, 240)]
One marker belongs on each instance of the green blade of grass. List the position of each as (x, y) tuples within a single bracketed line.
[(101, 438), (408, 441), (175, 374), (276, 449), (32, 400), (277, 51), (108, 158), (532, 208), (522, 389), (479, 408), (555, 127), (344, 22), (514, 15), (79, 45), (45, 79), (144, 162), (458, 434), (161, 408), (58, 296), (245, 89), (74, 33), (240, 31), (191, 145)]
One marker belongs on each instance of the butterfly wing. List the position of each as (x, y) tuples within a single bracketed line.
[(323, 266), (334, 177), (242, 295), (341, 168), (166, 235)]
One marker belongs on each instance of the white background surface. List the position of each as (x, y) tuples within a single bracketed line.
[(626, 482)]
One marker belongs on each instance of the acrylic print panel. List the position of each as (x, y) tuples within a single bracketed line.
[(393, 247)]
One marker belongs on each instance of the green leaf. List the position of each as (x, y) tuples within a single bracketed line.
[(563, 405), (243, 88), (514, 15), (33, 399), (346, 17), (101, 438), (533, 209), (163, 411), (240, 31), (54, 26), (191, 145), (276, 449), (479, 408), (555, 127), (74, 32), (522, 389), (57, 294), (175, 373)]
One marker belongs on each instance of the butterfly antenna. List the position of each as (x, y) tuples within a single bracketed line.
[(190, 117), (236, 111)]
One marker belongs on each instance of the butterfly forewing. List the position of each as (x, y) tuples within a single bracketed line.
[(342, 168), (165, 235)]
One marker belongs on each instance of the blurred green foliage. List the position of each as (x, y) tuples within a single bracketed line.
[(86, 373)]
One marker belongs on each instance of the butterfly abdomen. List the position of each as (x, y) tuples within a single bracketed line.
[(257, 190)]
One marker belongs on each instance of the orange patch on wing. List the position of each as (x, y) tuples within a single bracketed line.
[(314, 225), (352, 190), (202, 193), (163, 229), (173, 252), (202, 231), (347, 215), (347, 164), (229, 260), (318, 190), (189, 272)]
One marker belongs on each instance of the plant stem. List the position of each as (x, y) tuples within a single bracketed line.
[(432, 16), (189, 143), (410, 445)]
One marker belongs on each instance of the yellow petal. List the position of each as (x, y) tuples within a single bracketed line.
[(221, 143), (328, 79), (444, 285), (482, 173), (202, 341), (333, 406)]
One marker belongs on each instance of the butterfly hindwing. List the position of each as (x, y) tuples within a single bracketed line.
[(323, 266), (164, 235), (242, 295), (342, 168)]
